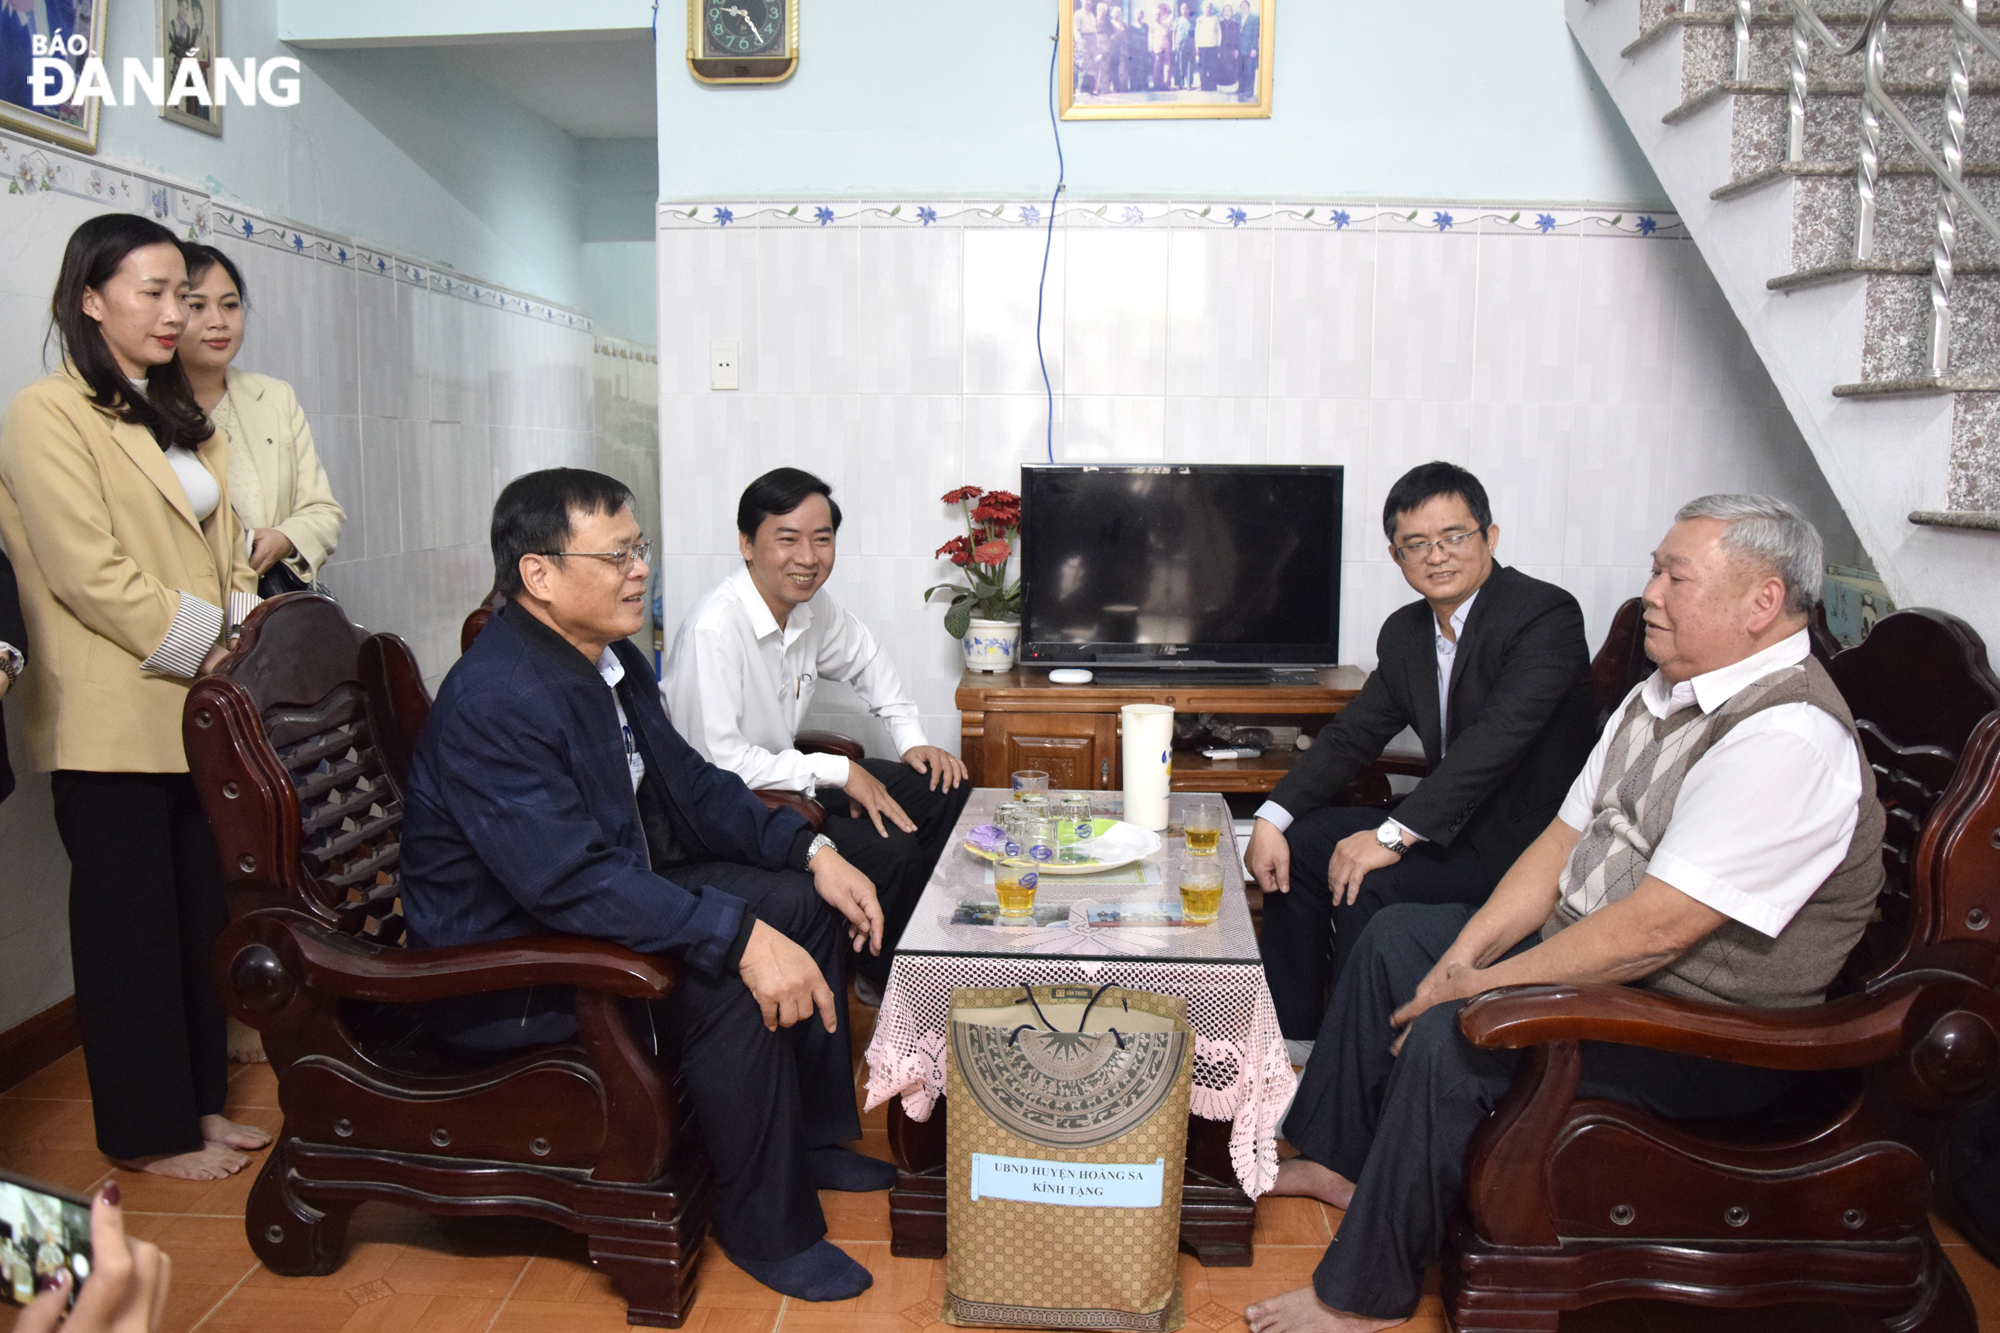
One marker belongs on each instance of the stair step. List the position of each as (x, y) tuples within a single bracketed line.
[(1800, 279), (1914, 385), (1974, 520), (1916, 51), (1823, 212), (1743, 185)]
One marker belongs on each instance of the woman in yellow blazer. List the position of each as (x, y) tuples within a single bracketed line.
[(277, 487), (130, 567)]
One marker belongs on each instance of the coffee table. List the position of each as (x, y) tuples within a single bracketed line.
[(1243, 1078)]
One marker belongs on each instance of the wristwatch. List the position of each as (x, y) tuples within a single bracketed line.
[(12, 663), (819, 844), (1390, 835)]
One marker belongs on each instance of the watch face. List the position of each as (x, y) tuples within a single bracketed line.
[(743, 27)]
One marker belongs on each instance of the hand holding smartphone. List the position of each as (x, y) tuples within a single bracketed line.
[(83, 1274)]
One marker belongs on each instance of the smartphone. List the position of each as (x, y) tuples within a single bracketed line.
[(42, 1230)]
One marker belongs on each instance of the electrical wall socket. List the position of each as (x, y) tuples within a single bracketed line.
[(722, 362)]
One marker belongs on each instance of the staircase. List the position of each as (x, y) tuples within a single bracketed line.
[(1760, 153)]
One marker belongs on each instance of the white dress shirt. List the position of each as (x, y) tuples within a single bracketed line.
[(738, 685), (1765, 815), (1447, 652)]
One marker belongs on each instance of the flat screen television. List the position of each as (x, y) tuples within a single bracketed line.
[(1180, 564)]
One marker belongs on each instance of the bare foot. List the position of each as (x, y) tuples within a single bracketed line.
[(1302, 1312), (1309, 1179), (211, 1161), (221, 1133), (246, 1045)]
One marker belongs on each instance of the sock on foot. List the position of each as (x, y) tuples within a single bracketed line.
[(847, 1170), (821, 1272)]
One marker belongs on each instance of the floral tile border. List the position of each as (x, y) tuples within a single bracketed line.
[(1438, 219), (30, 167)]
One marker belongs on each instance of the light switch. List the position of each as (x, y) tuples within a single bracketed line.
[(722, 357)]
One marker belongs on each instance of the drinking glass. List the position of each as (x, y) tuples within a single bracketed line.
[(1201, 890), (1204, 827), (1031, 786), (1032, 841), (1074, 813)]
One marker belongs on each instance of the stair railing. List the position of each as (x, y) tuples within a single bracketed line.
[(1946, 166)]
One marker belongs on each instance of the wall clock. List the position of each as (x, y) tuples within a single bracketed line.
[(743, 41)]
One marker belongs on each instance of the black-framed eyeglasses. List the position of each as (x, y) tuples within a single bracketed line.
[(624, 559), (1410, 552)]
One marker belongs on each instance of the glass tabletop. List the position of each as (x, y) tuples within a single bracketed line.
[(1073, 911)]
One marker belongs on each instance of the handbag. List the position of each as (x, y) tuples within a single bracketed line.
[(1066, 1153), (280, 578)]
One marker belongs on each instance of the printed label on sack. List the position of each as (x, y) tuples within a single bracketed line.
[(1069, 1184)]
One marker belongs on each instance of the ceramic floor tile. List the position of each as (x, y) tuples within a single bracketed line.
[(262, 1309), (429, 1314), (724, 1285), (252, 1085), (532, 1316), (188, 1303), (206, 1251), (66, 1168), (31, 1122), (1291, 1222), (860, 1218)]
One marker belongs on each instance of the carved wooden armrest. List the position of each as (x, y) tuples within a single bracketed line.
[(813, 812), (334, 964), (828, 742), (1841, 1034)]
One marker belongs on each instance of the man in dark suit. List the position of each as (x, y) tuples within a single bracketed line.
[(1491, 671), (549, 792)]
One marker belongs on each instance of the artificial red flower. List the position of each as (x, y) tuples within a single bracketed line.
[(992, 553), (959, 549), (1000, 515), (1007, 498), (963, 493)]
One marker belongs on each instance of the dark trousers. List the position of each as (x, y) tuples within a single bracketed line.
[(900, 864), (765, 1099), (762, 1099), (1307, 939), (145, 909), (1399, 1126)]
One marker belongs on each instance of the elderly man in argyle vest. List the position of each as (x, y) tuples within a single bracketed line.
[(1722, 843)]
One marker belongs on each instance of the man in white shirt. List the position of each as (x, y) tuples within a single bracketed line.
[(1723, 843), (740, 681)]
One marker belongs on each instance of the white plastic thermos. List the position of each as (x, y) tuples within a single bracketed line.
[(1149, 762)]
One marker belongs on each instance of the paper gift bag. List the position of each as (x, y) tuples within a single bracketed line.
[(1066, 1134)]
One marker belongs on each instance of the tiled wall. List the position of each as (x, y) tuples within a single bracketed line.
[(1582, 363), (426, 391)]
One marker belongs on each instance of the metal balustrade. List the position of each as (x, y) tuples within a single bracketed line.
[(1945, 163)]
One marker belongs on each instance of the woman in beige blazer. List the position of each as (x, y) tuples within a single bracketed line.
[(277, 486), (130, 567)]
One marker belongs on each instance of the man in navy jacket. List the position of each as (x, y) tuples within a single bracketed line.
[(549, 792)]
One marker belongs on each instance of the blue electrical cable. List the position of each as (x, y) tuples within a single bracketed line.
[(1055, 127)]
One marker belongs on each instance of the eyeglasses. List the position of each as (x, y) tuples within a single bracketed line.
[(623, 559), (1411, 552)]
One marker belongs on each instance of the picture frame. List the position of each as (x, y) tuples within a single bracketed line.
[(70, 126), (1127, 60), (192, 28)]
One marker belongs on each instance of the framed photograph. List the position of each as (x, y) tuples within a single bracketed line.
[(23, 25), (190, 29), (1166, 59)]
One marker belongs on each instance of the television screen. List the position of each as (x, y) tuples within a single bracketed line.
[(1180, 563)]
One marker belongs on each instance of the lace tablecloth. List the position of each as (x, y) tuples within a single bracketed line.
[(1242, 1073)]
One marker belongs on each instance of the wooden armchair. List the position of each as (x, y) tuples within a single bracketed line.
[(299, 747), (1825, 1197), (808, 742)]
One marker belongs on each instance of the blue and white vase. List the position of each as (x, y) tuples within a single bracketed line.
[(992, 645)]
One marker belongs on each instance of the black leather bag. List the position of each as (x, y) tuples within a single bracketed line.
[(280, 578)]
